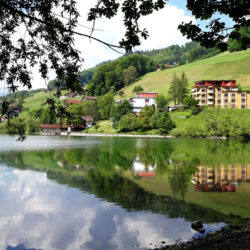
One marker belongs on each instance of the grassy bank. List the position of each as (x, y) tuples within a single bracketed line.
[(223, 66), (210, 122)]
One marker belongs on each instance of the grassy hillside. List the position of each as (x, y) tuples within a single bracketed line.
[(34, 102), (223, 66)]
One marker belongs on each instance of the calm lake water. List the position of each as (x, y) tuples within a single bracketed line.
[(118, 193)]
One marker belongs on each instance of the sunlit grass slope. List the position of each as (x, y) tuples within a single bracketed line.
[(223, 66)]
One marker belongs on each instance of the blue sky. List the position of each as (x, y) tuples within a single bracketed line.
[(182, 5)]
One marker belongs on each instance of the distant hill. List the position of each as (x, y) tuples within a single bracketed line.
[(222, 66)]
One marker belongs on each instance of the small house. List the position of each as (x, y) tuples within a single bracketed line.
[(86, 98), (88, 121), (51, 129), (73, 101)]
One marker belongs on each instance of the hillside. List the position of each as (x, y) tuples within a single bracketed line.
[(222, 66)]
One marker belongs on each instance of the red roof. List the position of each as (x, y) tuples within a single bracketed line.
[(73, 101), (146, 174), (51, 126), (88, 118), (147, 95), (213, 83)]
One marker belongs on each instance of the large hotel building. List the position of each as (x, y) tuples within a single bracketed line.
[(221, 94)]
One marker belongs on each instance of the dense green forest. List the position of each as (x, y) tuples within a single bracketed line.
[(112, 76)]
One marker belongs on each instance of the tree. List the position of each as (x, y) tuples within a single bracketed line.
[(173, 89), (128, 123), (182, 88), (121, 93), (137, 89), (130, 74), (105, 104), (164, 123), (50, 41), (162, 101), (162, 66), (189, 102), (48, 116), (145, 117), (239, 44), (120, 110), (217, 34)]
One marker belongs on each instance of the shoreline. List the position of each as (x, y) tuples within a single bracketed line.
[(229, 237), (133, 135), (115, 135)]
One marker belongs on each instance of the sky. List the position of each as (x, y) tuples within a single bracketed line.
[(161, 25)]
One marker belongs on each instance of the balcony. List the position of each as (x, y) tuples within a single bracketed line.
[(210, 91)]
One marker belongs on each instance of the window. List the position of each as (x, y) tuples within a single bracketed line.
[(219, 95), (226, 101), (219, 89), (233, 106), (243, 94), (146, 100), (233, 94), (233, 100), (203, 101), (203, 90), (243, 106), (219, 101), (203, 95), (225, 95), (243, 100)]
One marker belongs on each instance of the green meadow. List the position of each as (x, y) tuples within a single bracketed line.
[(235, 66)]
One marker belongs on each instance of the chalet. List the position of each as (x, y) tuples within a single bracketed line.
[(141, 100), (88, 121), (51, 129), (73, 101), (166, 66), (141, 170), (86, 98)]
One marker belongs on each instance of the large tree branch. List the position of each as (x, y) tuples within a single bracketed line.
[(111, 46)]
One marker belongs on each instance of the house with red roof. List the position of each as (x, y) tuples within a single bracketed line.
[(141, 100)]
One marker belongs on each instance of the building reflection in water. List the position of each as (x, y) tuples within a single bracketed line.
[(142, 170), (221, 179)]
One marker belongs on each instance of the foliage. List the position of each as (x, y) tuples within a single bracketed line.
[(118, 73), (162, 101), (105, 105), (215, 35), (173, 91), (180, 55), (145, 117), (154, 119), (130, 74), (216, 122), (15, 126), (48, 116), (128, 123), (240, 44), (121, 93), (138, 89), (119, 110), (164, 123), (86, 108), (189, 102), (178, 88)]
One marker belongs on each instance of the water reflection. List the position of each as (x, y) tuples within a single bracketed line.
[(37, 213), (222, 178), (117, 193)]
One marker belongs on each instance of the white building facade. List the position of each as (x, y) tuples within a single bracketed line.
[(141, 100)]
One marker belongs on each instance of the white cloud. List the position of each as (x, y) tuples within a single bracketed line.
[(162, 27)]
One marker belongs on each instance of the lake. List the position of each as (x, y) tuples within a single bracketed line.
[(118, 193)]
